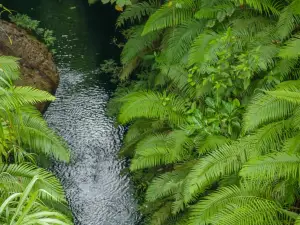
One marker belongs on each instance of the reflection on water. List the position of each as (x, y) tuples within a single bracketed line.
[(97, 193)]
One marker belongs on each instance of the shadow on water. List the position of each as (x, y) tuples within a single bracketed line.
[(97, 193)]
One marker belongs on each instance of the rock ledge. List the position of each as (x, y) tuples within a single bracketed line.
[(37, 66)]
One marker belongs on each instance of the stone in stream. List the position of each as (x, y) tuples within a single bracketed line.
[(37, 66)]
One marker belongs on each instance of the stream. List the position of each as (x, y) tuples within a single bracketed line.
[(97, 192)]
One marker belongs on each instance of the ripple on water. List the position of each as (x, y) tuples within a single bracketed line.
[(97, 193)]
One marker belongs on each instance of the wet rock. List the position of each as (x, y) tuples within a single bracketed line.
[(36, 62)]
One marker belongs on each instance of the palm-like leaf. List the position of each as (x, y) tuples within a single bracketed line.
[(169, 15), (151, 105)]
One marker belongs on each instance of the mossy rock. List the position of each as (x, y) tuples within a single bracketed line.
[(37, 66)]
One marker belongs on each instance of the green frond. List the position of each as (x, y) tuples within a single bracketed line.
[(284, 67), (289, 96), (23, 173), (263, 6), (297, 221), (136, 47), (27, 207), (270, 137), (152, 105), (234, 204), (179, 77), (139, 130), (258, 212), (129, 68), (136, 12), (35, 134), (265, 108), (292, 145), (169, 15), (291, 48), (178, 40), (226, 160), (19, 96), (211, 143), (168, 183), (207, 208), (137, 44), (161, 149), (162, 214), (288, 19), (9, 67), (276, 165), (216, 10), (200, 48)]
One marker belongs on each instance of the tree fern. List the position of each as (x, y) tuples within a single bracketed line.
[(18, 96), (161, 149), (168, 183), (264, 109), (288, 19), (226, 160), (179, 39), (137, 44), (136, 12), (9, 68), (152, 105), (170, 14), (275, 165), (35, 134), (290, 50)]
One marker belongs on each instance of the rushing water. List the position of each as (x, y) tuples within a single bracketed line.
[(97, 193)]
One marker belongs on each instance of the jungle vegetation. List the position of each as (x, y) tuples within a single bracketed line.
[(29, 195), (210, 93)]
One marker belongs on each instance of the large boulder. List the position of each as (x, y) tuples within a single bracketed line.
[(37, 66)]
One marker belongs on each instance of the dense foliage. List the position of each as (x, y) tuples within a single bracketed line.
[(32, 25), (28, 194), (211, 94)]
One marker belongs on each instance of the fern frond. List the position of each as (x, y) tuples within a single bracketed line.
[(265, 108), (136, 12), (291, 48), (168, 183), (137, 45), (162, 214), (151, 105), (200, 47), (161, 149), (211, 143), (23, 174), (288, 19), (169, 15), (276, 165), (263, 6), (179, 39), (35, 134), (9, 67), (226, 160), (19, 96)]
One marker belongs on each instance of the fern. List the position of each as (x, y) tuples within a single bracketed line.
[(168, 183), (280, 165), (179, 39), (290, 51), (35, 134), (151, 105), (161, 150), (169, 15), (18, 96), (136, 12)]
